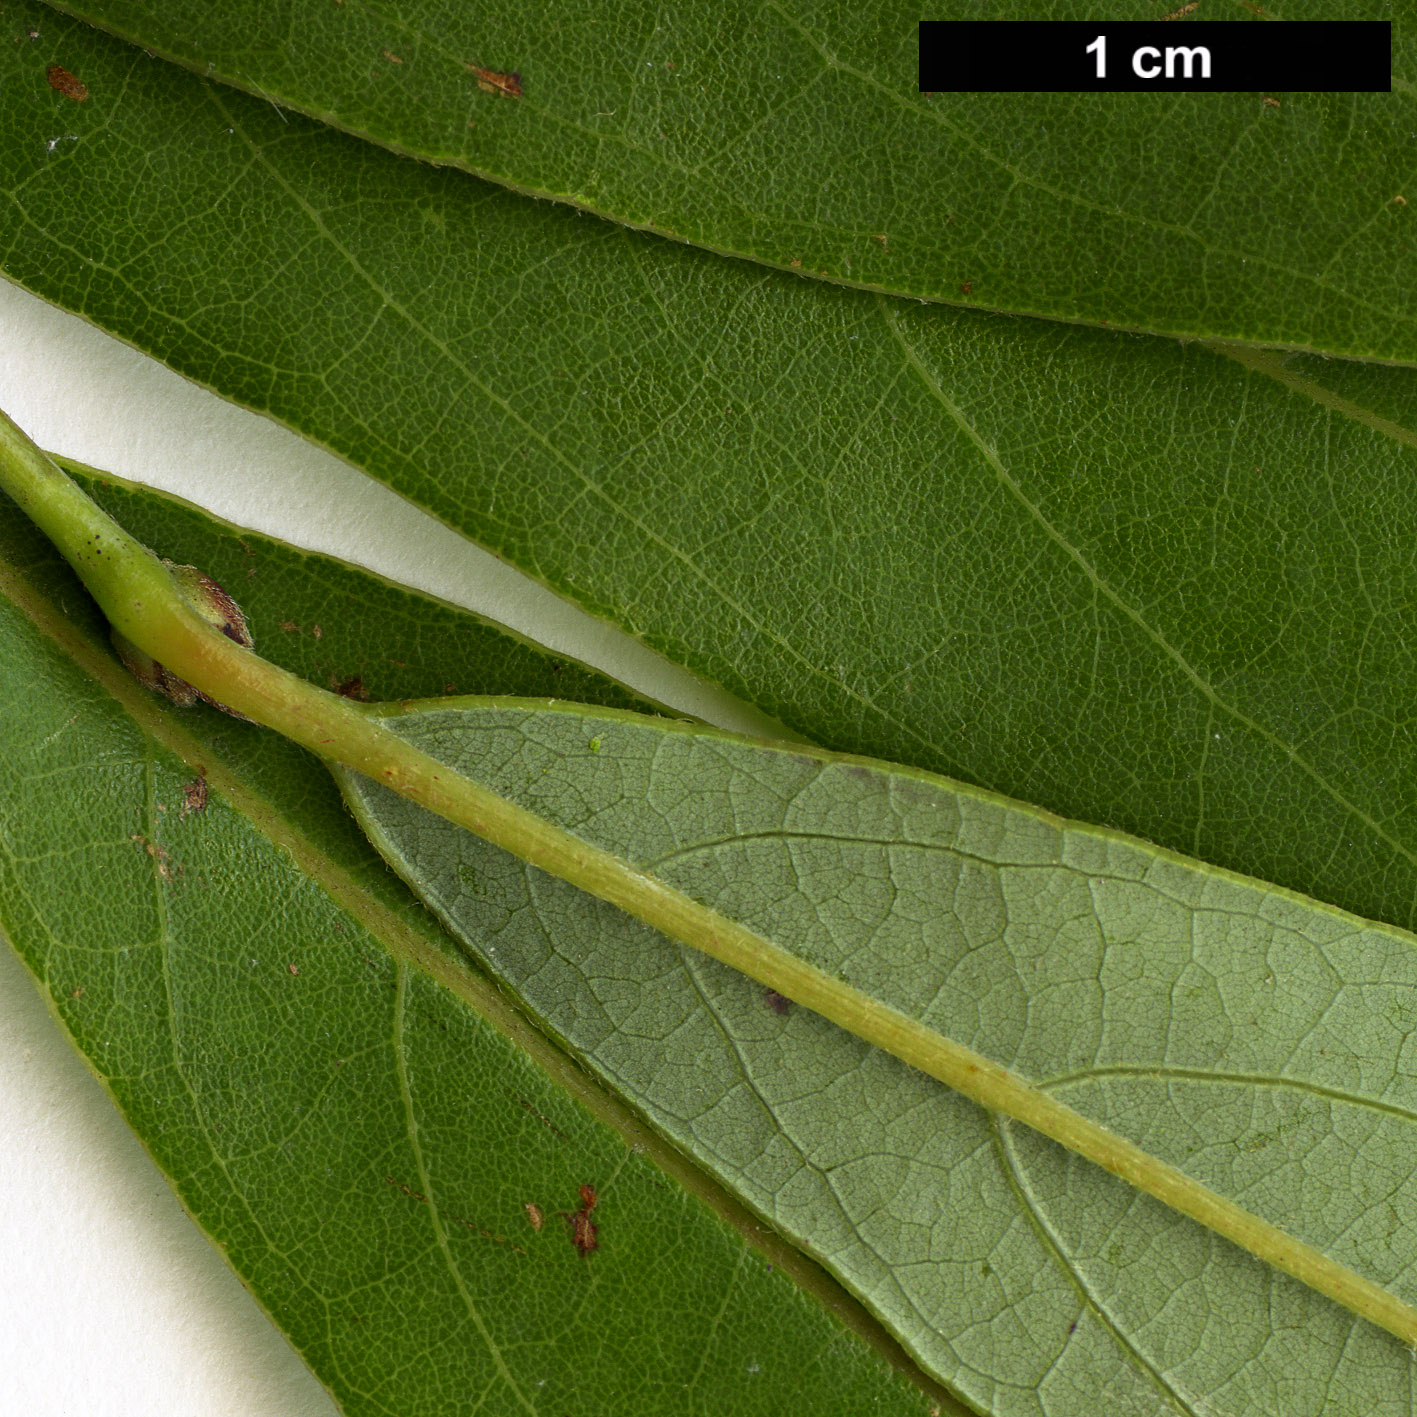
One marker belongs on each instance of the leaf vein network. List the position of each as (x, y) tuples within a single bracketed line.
[(1052, 1243), (1129, 611), (479, 1322), (536, 435), (1025, 179)]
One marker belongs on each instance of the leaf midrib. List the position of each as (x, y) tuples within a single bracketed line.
[(408, 949)]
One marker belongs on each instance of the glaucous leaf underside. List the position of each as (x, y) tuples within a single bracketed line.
[(1257, 1040), (349, 1112), (1136, 581)]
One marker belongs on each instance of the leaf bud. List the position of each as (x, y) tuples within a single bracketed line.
[(217, 608)]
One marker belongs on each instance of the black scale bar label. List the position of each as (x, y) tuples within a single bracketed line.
[(1145, 56)]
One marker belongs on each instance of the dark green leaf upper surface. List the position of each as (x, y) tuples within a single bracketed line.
[(1258, 1041), (794, 133), (1140, 583), (335, 1097)]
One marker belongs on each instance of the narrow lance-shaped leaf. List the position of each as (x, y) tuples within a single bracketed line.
[(181, 633), (1367, 779), (1134, 581), (152, 607), (350, 1113), (795, 133), (1257, 1040)]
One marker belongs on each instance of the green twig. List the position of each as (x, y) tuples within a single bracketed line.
[(146, 605)]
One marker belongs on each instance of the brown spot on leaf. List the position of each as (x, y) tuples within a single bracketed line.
[(292, 968), (158, 854), (317, 631), (1183, 11), (1272, 102), (194, 795), (584, 1232), (796, 265), (289, 626), (778, 1003), (495, 81), (533, 1214), (1399, 200), (392, 58), (352, 689), (70, 85), (966, 287)]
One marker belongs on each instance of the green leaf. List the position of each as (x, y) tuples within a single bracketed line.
[(175, 614), (1137, 582), (1251, 1037), (355, 1117), (1143, 583), (795, 134)]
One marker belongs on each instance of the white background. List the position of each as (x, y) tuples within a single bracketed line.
[(112, 1304)]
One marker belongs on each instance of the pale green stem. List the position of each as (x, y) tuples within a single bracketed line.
[(142, 601)]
